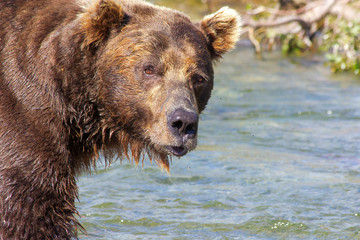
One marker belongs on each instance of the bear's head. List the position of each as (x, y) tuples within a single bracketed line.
[(155, 74)]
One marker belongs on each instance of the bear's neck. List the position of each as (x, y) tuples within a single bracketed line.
[(65, 73)]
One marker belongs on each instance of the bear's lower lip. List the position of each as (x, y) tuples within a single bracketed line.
[(177, 151)]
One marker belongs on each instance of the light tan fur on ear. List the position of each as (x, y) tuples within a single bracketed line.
[(222, 30), (98, 19)]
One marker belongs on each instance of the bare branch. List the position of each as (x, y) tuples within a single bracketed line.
[(305, 22)]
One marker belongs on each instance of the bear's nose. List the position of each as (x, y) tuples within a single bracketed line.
[(183, 123)]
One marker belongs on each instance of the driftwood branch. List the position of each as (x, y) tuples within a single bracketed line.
[(304, 21)]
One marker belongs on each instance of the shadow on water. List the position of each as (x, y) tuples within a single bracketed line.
[(278, 158)]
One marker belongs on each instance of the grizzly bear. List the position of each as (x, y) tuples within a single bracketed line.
[(120, 78)]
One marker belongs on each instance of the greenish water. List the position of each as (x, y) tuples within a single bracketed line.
[(278, 158)]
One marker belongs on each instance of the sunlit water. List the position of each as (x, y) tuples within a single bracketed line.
[(278, 158)]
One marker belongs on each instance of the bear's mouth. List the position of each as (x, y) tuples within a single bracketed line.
[(177, 151)]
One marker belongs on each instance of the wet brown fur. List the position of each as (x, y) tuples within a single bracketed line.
[(71, 89)]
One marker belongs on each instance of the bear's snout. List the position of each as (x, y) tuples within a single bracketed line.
[(183, 126)]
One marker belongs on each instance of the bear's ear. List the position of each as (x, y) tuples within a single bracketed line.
[(222, 30), (98, 19)]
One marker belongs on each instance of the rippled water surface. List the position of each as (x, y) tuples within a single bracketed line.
[(278, 158)]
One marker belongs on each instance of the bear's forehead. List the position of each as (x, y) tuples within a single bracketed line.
[(173, 34), (182, 48), (163, 35), (171, 23)]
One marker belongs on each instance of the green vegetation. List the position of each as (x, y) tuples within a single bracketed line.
[(342, 45)]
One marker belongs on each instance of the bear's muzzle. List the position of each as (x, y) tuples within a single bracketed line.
[(183, 126)]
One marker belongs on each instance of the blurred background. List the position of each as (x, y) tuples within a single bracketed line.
[(279, 143)]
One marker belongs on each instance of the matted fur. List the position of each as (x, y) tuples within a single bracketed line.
[(72, 88)]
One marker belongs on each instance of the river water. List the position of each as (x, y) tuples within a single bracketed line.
[(278, 158)]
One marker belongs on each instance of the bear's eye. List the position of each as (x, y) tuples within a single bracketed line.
[(149, 70), (198, 80)]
